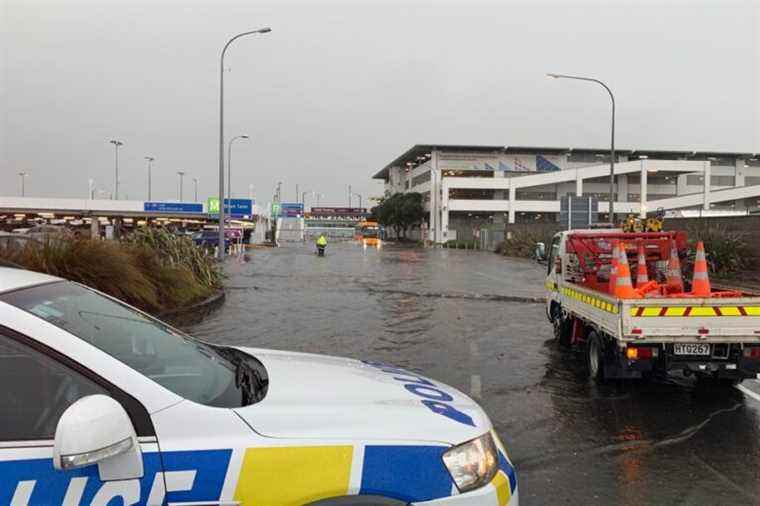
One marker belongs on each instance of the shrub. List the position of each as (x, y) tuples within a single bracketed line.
[(177, 250), (154, 271), (522, 243), (726, 251)]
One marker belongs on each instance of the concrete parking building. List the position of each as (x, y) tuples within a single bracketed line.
[(465, 186)]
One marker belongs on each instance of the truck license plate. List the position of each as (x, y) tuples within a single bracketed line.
[(691, 349)]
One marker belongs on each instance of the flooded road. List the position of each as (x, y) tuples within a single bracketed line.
[(456, 316)]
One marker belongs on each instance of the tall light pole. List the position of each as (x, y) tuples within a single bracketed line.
[(303, 199), (195, 182), (150, 160), (229, 166), (349, 196), (221, 133), (116, 145), (181, 175), (612, 142), (360, 199), (23, 175)]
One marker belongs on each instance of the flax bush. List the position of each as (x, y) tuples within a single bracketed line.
[(152, 270)]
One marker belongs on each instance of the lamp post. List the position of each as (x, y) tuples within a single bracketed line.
[(612, 142), (116, 145), (221, 133), (195, 182), (150, 160), (360, 199), (23, 175), (229, 166), (181, 175)]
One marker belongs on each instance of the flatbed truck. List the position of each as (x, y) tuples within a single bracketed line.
[(715, 337)]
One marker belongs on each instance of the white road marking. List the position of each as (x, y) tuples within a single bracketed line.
[(475, 386), (749, 392)]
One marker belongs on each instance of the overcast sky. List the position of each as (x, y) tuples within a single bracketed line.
[(339, 89)]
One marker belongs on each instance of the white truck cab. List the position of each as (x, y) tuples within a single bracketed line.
[(100, 402)]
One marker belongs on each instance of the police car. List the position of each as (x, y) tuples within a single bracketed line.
[(102, 404)]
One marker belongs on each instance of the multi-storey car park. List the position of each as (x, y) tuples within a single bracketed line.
[(464, 186)]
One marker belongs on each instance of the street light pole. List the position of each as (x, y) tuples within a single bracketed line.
[(612, 142), (116, 145), (23, 177), (229, 166), (195, 182), (221, 133), (181, 175), (349, 196), (150, 165)]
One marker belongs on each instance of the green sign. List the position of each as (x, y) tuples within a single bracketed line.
[(275, 209), (212, 205)]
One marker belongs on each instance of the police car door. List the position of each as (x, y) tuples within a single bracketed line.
[(37, 385)]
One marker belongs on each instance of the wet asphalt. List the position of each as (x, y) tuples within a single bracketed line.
[(456, 316)]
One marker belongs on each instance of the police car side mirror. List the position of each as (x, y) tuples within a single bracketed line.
[(97, 430)]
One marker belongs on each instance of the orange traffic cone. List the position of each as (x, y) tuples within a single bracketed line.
[(613, 267), (673, 278), (642, 276), (700, 285), (623, 287)]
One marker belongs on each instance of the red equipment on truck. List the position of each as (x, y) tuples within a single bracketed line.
[(656, 325)]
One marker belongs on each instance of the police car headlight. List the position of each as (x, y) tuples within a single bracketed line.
[(472, 464)]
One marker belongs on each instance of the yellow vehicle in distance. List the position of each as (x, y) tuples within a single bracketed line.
[(368, 234)]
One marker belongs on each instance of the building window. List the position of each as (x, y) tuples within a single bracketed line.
[(591, 158), (722, 161), (697, 180), (751, 180), (476, 194), (466, 173), (534, 195)]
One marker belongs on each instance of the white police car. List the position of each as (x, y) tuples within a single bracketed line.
[(101, 404)]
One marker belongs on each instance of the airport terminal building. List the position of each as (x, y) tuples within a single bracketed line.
[(467, 186)]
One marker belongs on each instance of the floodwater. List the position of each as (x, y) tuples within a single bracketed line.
[(457, 317)]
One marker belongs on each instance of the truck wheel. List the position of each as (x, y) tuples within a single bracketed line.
[(595, 357), (563, 330)]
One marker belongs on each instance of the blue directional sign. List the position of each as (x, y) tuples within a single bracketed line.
[(291, 210), (172, 207), (238, 209)]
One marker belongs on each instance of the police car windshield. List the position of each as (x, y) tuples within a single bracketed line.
[(194, 370)]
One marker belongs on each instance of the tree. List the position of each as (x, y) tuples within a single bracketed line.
[(401, 211)]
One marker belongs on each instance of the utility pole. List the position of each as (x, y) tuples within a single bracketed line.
[(116, 145), (23, 177), (195, 182), (181, 175), (349, 196), (612, 135), (150, 160), (221, 133), (229, 168)]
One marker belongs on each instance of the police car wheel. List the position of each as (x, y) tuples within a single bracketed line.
[(595, 357)]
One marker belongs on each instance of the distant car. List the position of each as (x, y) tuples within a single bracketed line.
[(210, 239), (103, 404)]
